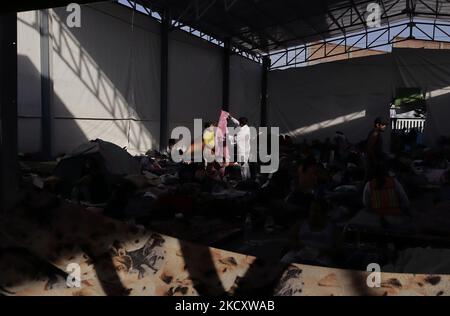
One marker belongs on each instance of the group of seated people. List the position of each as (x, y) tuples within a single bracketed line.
[(310, 170), (318, 188), (320, 171)]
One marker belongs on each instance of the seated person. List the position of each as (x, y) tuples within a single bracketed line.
[(384, 195), (306, 184), (278, 184), (314, 240)]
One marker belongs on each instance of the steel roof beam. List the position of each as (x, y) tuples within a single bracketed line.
[(270, 17), (334, 9)]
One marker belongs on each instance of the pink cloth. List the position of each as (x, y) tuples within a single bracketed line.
[(222, 125), (221, 151)]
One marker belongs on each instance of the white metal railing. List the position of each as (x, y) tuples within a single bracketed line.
[(402, 124)]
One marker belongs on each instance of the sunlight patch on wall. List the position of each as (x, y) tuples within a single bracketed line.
[(328, 123)]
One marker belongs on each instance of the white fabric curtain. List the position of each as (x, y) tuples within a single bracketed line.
[(429, 70), (245, 89), (29, 81), (314, 102), (106, 78), (195, 80)]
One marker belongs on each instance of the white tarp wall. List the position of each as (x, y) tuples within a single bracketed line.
[(195, 80), (314, 102), (29, 79), (106, 80), (195, 83), (429, 70), (245, 89)]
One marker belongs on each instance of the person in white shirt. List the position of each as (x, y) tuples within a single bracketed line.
[(243, 145)]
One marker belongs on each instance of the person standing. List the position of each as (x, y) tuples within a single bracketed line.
[(243, 145), (209, 142), (375, 156)]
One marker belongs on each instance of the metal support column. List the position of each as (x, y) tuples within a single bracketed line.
[(410, 8), (9, 175), (46, 86), (163, 132), (226, 76), (265, 73)]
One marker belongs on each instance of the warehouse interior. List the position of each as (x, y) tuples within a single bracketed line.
[(92, 93)]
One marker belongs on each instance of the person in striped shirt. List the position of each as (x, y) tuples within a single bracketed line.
[(384, 195)]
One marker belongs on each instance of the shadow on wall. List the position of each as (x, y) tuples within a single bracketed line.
[(315, 102), (310, 101), (100, 91), (314, 121), (29, 126)]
